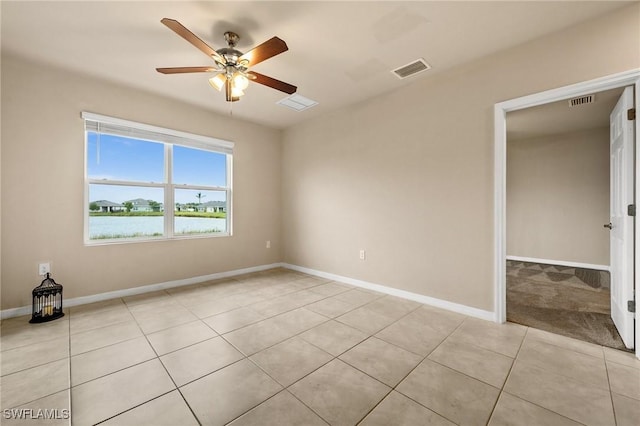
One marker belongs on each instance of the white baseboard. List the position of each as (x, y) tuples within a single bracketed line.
[(438, 303), (83, 300), (560, 263), (15, 312)]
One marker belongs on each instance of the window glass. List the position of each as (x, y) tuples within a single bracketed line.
[(125, 159), (199, 167), (117, 211), (200, 212)]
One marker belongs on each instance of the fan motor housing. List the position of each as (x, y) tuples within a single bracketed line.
[(231, 38), (230, 54)]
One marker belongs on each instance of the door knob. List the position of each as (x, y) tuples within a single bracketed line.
[(608, 225)]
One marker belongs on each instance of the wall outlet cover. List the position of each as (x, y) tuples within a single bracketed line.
[(44, 268)]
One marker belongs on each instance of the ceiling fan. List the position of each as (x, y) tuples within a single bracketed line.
[(231, 65)]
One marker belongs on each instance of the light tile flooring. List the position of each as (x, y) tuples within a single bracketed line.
[(282, 348)]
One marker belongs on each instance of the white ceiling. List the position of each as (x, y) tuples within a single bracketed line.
[(340, 53), (558, 117)]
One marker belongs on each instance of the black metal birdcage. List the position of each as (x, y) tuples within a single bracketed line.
[(47, 301)]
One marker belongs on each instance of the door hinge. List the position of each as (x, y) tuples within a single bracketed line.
[(631, 305), (631, 114), (631, 210)]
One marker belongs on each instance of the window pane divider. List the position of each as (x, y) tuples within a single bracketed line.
[(203, 187), (169, 203), (125, 183)]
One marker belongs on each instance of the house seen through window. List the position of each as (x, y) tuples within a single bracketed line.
[(144, 182)]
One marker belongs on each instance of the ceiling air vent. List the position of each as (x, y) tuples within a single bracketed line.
[(412, 68), (582, 100), (297, 102)]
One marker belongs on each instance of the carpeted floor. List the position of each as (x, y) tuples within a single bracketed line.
[(574, 302)]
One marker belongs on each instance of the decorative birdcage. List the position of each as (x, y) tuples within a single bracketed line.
[(47, 301)]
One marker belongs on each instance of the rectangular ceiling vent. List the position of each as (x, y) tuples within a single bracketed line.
[(412, 68), (582, 100), (297, 102)]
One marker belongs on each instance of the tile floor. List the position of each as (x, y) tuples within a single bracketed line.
[(282, 348)]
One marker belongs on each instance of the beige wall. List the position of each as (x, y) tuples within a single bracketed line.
[(409, 176), (42, 188), (558, 197)]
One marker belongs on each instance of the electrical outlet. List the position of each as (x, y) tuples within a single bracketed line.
[(362, 255), (44, 268), (268, 243)]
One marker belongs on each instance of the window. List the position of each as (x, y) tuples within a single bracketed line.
[(147, 183)]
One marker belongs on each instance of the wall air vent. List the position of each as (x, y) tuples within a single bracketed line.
[(297, 102), (412, 68), (582, 100)]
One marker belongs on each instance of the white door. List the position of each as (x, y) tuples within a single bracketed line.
[(621, 185)]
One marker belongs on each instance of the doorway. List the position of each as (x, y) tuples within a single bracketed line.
[(558, 197), (595, 86)]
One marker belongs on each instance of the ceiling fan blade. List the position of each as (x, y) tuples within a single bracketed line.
[(264, 51), (183, 32), (272, 82), (181, 70)]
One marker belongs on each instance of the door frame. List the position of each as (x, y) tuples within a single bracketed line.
[(623, 79)]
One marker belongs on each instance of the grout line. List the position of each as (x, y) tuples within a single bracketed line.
[(165, 369), (304, 403), (286, 388), (346, 350), (502, 390), (37, 365), (134, 407), (3, 333), (391, 390), (272, 298), (541, 407), (116, 371), (277, 343), (68, 388), (513, 363), (105, 346), (613, 407), (559, 346), (424, 357), (327, 320), (70, 366), (70, 356), (255, 406), (209, 373), (70, 370)]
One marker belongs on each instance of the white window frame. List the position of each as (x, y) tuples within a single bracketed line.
[(168, 137)]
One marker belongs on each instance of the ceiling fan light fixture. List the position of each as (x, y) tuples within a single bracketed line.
[(236, 92), (217, 82), (240, 81)]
